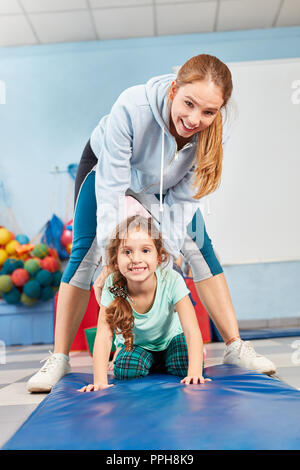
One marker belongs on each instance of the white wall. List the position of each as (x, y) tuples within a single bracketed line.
[(255, 212)]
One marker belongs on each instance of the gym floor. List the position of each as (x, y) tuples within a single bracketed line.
[(21, 362)]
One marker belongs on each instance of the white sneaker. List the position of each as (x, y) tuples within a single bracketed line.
[(55, 368), (243, 354)]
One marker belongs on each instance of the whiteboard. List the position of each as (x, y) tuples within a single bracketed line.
[(254, 215)]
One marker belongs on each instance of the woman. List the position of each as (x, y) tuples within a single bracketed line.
[(162, 144)]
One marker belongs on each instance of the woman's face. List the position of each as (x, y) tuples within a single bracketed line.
[(194, 107)]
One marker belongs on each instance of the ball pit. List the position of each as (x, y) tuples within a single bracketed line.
[(28, 273)]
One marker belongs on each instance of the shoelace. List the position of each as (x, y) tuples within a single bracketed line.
[(50, 361), (247, 348)]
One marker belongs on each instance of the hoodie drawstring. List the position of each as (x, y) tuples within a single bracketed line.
[(162, 170)]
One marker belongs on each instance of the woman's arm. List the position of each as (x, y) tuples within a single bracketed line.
[(101, 353), (192, 333)]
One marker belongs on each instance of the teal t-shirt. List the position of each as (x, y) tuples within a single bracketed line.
[(155, 329)]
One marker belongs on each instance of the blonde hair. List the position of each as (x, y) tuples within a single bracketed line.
[(119, 314), (209, 152)]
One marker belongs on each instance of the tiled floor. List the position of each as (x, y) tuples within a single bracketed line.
[(20, 362)]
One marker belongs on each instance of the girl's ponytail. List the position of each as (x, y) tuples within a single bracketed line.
[(119, 314)]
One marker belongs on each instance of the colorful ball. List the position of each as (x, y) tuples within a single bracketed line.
[(6, 284), (40, 250), (50, 264), (47, 293), (3, 256), (69, 248), (44, 277), (5, 236), (19, 277), (13, 296), (56, 278), (66, 237), (27, 300), (11, 247), (32, 266), (22, 239), (32, 289)]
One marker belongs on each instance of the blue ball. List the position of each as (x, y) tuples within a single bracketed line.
[(12, 297), (11, 264), (32, 289), (56, 278), (22, 239), (47, 293), (44, 277)]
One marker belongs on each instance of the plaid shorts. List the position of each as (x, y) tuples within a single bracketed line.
[(140, 361)]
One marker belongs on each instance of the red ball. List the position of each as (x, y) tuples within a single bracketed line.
[(19, 277), (50, 264), (66, 237)]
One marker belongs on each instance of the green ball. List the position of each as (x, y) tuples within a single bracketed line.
[(6, 284), (40, 250), (32, 266), (27, 300), (32, 289), (12, 297), (44, 277), (56, 278), (47, 293)]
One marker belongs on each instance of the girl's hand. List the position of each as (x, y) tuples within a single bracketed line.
[(99, 283), (94, 387), (110, 365), (194, 379)]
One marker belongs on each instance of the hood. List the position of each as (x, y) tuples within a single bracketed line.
[(157, 95)]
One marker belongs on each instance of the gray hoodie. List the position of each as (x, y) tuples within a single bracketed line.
[(136, 150)]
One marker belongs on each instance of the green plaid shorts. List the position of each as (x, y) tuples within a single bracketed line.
[(140, 361)]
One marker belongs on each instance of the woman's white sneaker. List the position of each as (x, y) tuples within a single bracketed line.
[(53, 370), (242, 353)]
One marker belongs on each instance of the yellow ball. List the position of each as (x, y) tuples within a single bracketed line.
[(5, 236), (11, 247), (3, 256)]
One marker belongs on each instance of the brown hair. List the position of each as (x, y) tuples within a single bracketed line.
[(119, 314), (209, 152)]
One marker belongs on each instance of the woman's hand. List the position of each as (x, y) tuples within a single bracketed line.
[(95, 387), (99, 283), (194, 379)]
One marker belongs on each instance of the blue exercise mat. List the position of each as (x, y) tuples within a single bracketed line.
[(238, 410)]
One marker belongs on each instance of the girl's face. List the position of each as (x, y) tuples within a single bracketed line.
[(194, 107), (137, 256)]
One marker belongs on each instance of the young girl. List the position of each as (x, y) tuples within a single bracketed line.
[(149, 309)]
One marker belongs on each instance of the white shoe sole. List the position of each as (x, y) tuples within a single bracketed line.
[(39, 388)]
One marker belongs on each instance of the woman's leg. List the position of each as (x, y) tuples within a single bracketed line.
[(213, 292), (209, 278), (133, 364)]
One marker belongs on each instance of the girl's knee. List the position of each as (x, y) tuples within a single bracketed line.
[(132, 364), (177, 357)]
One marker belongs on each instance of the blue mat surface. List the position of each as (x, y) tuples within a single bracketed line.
[(238, 410)]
